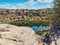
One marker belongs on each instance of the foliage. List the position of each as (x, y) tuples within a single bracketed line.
[(43, 32), (29, 23), (56, 22)]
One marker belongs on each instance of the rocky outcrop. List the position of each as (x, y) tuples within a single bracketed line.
[(14, 35)]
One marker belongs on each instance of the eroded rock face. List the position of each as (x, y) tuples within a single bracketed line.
[(13, 35)]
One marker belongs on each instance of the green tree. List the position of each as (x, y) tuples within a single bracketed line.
[(56, 22)]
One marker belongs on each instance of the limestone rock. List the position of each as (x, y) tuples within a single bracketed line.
[(14, 35)]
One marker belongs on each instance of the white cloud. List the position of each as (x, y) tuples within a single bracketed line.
[(21, 5), (28, 4), (31, 2), (48, 0), (44, 1), (12, 6), (39, 0), (2, 5), (9, 6)]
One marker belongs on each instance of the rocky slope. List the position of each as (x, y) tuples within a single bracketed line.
[(14, 35)]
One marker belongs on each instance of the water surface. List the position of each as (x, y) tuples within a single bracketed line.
[(39, 28)]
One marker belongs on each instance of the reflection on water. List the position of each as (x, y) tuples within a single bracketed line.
[(38, 28)]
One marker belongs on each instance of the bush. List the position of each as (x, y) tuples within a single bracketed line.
[(44, 32)]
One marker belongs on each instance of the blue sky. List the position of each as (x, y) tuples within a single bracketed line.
[(26, 4)]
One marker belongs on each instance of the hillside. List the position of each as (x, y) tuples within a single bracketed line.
[(13, 15)]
